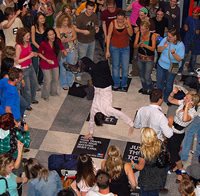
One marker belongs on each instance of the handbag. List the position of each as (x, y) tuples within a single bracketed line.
[(162, 160), (6, 193), (174, 67)]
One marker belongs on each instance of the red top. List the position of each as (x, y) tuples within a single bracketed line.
[(119, 39), (49, 53), (24, 53)]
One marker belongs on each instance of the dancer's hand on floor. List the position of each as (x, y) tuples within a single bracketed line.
[(88, 136)]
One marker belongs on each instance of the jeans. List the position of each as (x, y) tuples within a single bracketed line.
[(38, 70), (31, 85), (148, 193), (191, 130), (145, 69), (50, 82), (66, 77), (120, 56), (191, 63), (23, 106), (86, 49), (165, 81)]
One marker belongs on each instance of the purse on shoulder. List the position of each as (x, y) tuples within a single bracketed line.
[(6, 193), (174, 67)]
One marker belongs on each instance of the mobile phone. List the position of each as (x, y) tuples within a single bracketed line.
[(183, 171)]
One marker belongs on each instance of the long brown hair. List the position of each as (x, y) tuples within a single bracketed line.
[(21, 32), (114, 162), (85, 170), (33, 169)]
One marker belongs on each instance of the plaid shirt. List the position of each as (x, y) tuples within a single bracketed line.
[(5, 143)]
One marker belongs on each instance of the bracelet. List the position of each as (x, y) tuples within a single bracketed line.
[(133, 166), (171, 95), (127, 27)]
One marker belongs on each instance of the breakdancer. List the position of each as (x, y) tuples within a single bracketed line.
[(102, 102)]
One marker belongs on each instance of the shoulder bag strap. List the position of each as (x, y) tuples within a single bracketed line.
[(169, 52), (5, 182)]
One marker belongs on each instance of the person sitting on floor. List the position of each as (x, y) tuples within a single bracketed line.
[(103, 180)]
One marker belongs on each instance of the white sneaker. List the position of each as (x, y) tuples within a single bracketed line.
[(179, 74), (191, 73)]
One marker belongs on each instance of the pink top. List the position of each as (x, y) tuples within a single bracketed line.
[(102, 102), (49, 53), (24, 53), (135, 12)]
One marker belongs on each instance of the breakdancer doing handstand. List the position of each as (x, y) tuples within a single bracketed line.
[(102, 102)]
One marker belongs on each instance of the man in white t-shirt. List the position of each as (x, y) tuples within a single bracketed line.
[(103, 181), (11, 25)]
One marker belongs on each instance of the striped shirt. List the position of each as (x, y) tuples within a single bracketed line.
[(179, 117)]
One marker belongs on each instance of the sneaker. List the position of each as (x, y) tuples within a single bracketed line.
[(35, 102), (115, 88), (147, 92), (24, 116), (29, 108), (140, 91), (191, 73), (124, 89), (179, 74)]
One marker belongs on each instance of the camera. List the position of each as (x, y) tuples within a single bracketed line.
[(23, 123)]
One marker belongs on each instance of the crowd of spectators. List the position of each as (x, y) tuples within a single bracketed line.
[(38, 36)]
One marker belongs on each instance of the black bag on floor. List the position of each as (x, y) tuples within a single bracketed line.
[(77, 90), (62, 161)]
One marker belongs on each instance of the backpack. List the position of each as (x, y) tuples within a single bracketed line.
[(62, 161)]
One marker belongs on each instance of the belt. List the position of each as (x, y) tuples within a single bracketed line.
[(26, 67), (146, 58), (178, 127)]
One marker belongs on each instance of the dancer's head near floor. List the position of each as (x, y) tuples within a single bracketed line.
[(99, 119)]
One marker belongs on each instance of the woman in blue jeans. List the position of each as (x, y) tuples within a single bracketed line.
[(187, 142), (145, 41), (118, 47), (165, 79), (66, 32)]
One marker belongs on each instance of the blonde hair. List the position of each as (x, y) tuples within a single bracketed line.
[(8, 52), (145, 24), (150, 145), (186, 187), (5, 160), (195, 97), (33, 169), (114, 163), (61, 19)]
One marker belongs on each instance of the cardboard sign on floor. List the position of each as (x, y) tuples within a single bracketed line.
[(131, 152), (95, 147), (109, 120)]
